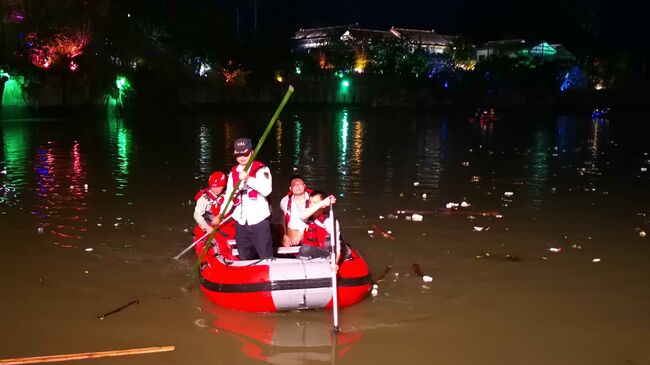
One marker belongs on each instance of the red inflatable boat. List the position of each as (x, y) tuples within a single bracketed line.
[(280, 284)]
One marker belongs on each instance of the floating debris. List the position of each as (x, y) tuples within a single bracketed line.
[(39, 229), (508, 193), (475, 179), (465, 163), (424, 195), (415, 183), (427, 278), (555, 249), (135, 301), (200, 323), (596, 260), (465, 204), (512, 258), (383, 274), (416, 218), (89, 249), (383, 233)]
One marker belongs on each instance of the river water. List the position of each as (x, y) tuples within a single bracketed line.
[(93, 210)]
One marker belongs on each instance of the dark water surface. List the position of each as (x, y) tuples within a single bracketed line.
[(535, 181)]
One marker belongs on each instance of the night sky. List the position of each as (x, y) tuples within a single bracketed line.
[(614, 24), (588, 24)]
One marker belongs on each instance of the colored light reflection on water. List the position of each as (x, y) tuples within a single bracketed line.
[(297, 143), (120, 136), (61, 193), (14, 165), (539, 167)]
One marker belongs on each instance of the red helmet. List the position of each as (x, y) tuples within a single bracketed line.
[(217, 179)]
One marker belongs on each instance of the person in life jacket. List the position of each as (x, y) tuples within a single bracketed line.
[(252, 213), (292, 205), (208, 206), (316, 239)]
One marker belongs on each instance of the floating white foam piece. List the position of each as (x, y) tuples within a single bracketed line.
[(381, 217), (86, 186), (375, 286), (478, 229), (416, 218), (644, 169), (508, 193), (374, 292), (465, 204), (416, 183), (596, 260), (89, 249), (451, 205), (370, 231), (427, 279), (555, 249), (39, 229), (389, 232), (642, 234), (424, 195), (99, 224)]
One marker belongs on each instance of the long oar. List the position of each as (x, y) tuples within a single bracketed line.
[(335, 294), (198, 240), (258, 146), (190, 246), (86, 355), (234, 190), (250, 161)]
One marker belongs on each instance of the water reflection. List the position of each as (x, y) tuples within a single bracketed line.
[(205, 152), (566, 128), (284, 338), (228, 140), (120, 135), (61, 192), (592, 164), (15, 163), (278, 141), (539, 167), (342, 145), (297, 143), (428, 158)]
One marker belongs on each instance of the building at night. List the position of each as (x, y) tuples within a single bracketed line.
[(521, 48), (318, 38)]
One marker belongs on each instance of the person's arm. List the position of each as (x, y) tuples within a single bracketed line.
[(313, 208), (262, 183), (199, 210)]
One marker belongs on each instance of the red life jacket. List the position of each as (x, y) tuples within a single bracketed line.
[(287, 215), (214, 203), (255, 167), (316, 232)]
